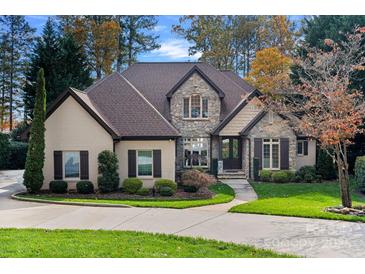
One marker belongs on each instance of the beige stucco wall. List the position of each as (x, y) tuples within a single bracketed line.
[(235, 126), (167, 148), (70, 127), (310, 159)]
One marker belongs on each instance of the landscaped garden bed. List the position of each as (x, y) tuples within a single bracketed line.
[(220, 193)]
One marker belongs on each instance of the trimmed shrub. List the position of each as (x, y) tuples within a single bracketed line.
[(166, 191), (143, 191), (165, 182), (190, 189), (85, 187), (4, 150), (33, 173), (360, 173), (108, 181), (307, 174), (325, 166), (132, 185), (280, 177), (17, 155), (59, 187), (199, 169), (197, 179), (265, 175)]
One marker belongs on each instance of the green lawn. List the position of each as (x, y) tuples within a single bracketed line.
[(39, 243), (223, 194), (298, 199)]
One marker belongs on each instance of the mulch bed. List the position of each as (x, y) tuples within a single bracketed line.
[(119, 195), (354, 211)]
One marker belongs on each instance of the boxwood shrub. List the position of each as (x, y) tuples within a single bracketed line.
[(360, 173), (166, 191), (281, 176), (58, 186), (307, 174), (132, 185), (143, 191), (85, 187), (165, 182), (265, 175)]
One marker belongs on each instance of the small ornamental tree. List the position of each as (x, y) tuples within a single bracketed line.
[(323, 105), (33, 174), (108, 180)]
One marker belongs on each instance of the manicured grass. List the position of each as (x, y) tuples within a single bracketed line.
[(223, 194), (39, 243), (298, 199)]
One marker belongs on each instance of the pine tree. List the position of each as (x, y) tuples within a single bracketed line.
[(33, 174), (64, 64), (19, 37)]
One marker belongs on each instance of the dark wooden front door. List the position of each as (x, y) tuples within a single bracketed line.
[(231, 152)]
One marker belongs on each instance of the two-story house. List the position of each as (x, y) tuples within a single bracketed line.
[(161, 118)]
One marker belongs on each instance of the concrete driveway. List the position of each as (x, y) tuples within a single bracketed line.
[(305, 237)]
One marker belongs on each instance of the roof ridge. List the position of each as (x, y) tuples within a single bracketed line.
[(99, 81), (148, 102), (97, 108), (232, 80)]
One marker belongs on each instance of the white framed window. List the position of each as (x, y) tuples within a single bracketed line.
[(302, 147), (196, 152), (71, 165), (144, 163), (271, 154), (195, 107)]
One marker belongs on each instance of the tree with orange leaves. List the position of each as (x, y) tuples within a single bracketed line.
[(323, 105)]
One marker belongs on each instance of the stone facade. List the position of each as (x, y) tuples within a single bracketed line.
[(193, 127), (278, 128)]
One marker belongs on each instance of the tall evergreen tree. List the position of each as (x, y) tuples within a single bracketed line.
[(33, 174), (135, 37), (64, 64), (19, 37), (4, 81)]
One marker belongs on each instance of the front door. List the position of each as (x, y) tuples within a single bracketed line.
[(231, 152)]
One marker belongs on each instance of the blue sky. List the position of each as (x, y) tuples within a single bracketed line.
[(173, 47)]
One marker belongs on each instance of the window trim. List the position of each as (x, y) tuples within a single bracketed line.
[(270, 142), (200, 117), (64, 166), (191, 150), (302, 142), (137, 171)]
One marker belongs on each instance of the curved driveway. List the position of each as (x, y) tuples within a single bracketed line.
[(305, 237)]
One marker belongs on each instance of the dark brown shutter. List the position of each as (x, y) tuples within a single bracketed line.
[(84, 165), (258, 151), (157, 163), (132, 170), (305, 147), (57, 162), (284, 153)]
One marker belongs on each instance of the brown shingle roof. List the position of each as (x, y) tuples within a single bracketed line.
[(155, 80), (123, 107)]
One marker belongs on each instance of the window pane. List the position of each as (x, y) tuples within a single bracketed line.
[(266, 162), (195, 106), (275, 156), (196, 152), (204, 158), (186, 107), (72, 164), (235, 148), (205, 107), (275, 140), (300, 148), (225, 148), (187, 156), (144, 163)]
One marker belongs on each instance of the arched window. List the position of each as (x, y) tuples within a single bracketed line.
[(195, 107)]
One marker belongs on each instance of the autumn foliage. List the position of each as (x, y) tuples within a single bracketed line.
[(323, 105), (270, 70)]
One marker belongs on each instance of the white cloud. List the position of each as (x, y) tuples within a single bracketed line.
[(175, 49), (160, 28)]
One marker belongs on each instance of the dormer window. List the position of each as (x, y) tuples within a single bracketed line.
[(195, 107)]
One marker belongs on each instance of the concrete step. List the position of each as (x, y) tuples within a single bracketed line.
[(232, 175)]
